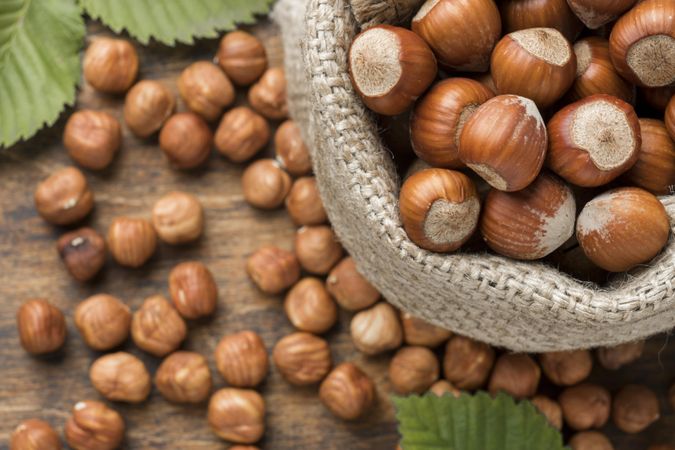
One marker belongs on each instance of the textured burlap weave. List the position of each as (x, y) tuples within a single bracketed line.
[(521, 306)]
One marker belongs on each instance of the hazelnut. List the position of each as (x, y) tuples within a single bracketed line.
[(413, 370), (157, 328), (349, 288), (184, 377), (42, 327), (517, 374), (417, 331), (309, 307), (242, 57), (120, 377), (550, 409), (347, 391), (193, 290), (523, 14), (291, 151), (615, 357), (237, 415), (377, 329), (654, 169), (568, 367), (442, 387), (670, 117), (595, 14), (178, 218), (302, 358), (268, 95), (265, 184), (467, 363), (205, 89), (656, 97), (590, 440), (103, 321), (186, 140), (317, 248), (634, 408), (83, 253), (110, 65), (273, 269), (147, 106), (131, 241), (92, 138), (303, 203), (64, 197), (34, 434), (399, 50), (585, 406), (94, 426), (241, 134), (241, 358)]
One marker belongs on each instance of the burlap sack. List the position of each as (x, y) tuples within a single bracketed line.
[(521, 306)]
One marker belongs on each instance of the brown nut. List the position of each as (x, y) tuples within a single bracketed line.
[(186, 140), (42, 327), (178, 218), (205, 89), (241, 358), (92, 138), (147, 106), (585, 406), (417, 331), (302, 358), (268, 95), (120, 377), (273, 269), (83, 253), (590, 440), (413, 370), (669, 118), (615, 357), (157, 328), (34, 434), (64, 197), (634, 408), (349, 288), (376, 330), (242, 57), (184, 377), (550, 409), (517, 374), (103, 321), (193, 290), (317, 249), (265, 184), (241, 134), (110, 65), (237, 415), (309, 307), (304, 204), (467, 363), (94, 426), (347, 392), (443, 387), (131, 241), (654, 169), (567, 368), (524, 14), (291, 151)]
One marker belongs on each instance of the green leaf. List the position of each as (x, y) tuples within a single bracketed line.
[(39, 63), (477, 422), (169, 21)]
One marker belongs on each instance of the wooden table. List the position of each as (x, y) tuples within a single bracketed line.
[(30, 267)]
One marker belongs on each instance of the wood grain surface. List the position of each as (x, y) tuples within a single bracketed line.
[(47, 387)]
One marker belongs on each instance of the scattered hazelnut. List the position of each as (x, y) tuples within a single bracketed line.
[(304, 204), (291, 151), (302, 358), (241, 358), (442, 387), (585, 406), (567, 368), (110, 65), (517, 374), (120, 377), (147, 106), (156, 327), (417, 331), (92, 138), (317, 249), (237, 415), (42, 327), (193, 290), (131, 241), (265, 184), (268, 95), (413, 370), (615, 357), (94, 426), (242, 57), (590, 440), (309, 307), (184, 377), (186, 140), (347, 392), (241, 134), (83, 253), (64, 197), (550, 409), (377, 329), (654, 169), (467, 363), (634, 408), (205, 89), (523, 14), (34, 434), (273, 269), (103, 321), (349, 288), (178, 218)]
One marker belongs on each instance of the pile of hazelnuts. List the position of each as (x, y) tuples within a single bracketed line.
[(529, 132)]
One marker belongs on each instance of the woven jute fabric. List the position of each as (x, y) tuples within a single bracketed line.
[(517, 305)]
